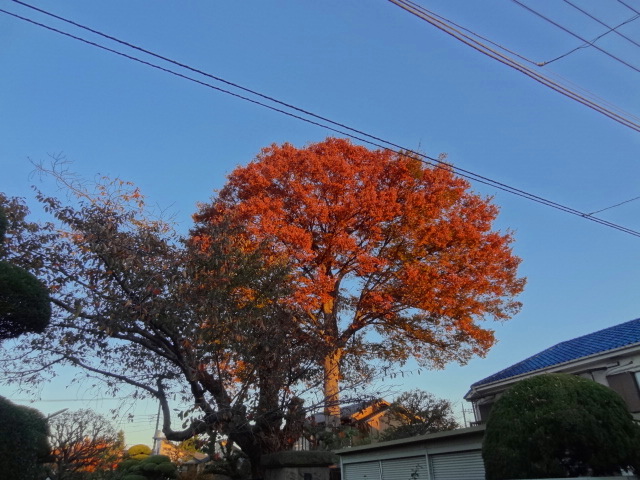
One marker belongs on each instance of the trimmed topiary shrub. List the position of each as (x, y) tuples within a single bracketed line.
[(23, 442), (139, 452), (559, 425), (151, 467), (24, 302)]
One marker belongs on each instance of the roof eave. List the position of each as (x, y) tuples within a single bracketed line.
[(475, 390)]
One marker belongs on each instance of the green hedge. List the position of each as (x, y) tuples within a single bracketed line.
[(23, 442), (558, 425)]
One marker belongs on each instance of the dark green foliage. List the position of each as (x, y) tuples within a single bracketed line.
[(24, 302), (559, 425), (23, 442), (4, 224), (154, 467)]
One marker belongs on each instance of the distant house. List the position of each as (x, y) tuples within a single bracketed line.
[(367, 421), (610, 357)]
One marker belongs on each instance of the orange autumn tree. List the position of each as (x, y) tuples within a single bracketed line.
[(378, 242)]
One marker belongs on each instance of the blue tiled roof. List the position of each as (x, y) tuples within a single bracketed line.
[(610, 338)]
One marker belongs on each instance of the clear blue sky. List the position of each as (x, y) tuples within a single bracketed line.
[(370, 65)]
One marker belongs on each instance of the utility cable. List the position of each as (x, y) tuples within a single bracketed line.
[(444, 26), (575, 35), (592, 42), (611, 29), (359, 135), (266, 97), (495, 44), (628, 6), (616, 205), (185, 66)]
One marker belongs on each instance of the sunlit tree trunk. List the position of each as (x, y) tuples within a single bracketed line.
[(332, 387)]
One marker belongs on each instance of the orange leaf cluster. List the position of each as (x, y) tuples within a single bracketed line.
[(375, 238)]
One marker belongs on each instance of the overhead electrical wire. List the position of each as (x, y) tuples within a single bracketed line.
[(616, 205), (585, 93), (575, 35), (593, 42), (628, 6), (329, 124), (611, 29), (469, 40)]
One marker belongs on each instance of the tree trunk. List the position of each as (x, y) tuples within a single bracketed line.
[(332, 387)]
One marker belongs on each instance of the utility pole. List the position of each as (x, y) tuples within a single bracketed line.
[(158, 435), (464, 415)]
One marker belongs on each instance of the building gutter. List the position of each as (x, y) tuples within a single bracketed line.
[(481, 390)]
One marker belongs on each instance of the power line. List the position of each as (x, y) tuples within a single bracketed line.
[(446, 26), (351, 132), (54, 400), (616, 205), (628, 6), (611, 29), (592, 42), (179, 64), (573, 34), (495, 44)]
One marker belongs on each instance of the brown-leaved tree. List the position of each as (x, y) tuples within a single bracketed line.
[(82, 442), (378, 242), (135, 307)]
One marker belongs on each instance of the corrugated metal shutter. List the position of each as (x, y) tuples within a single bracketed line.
[(409, 468), (458, 466), (362, 471)]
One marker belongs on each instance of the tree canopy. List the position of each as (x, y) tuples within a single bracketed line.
[(418, 413), (559, 425), (378, 242), (135, 307), (83, 441)]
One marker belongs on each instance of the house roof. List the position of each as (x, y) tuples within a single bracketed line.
[(355, 410), (611, 338), (457, 436)]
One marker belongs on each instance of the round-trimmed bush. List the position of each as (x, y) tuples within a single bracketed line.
[(559, 425), (24, 302), (139, 452)]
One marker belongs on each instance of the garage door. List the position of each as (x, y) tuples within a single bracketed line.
[(458, 466), (362, 471), (408, 468)]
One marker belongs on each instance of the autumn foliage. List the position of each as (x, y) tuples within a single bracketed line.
[(377, 241)]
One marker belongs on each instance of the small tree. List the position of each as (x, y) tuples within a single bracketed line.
[(419, 412), (83, 441), (23, 442), (559, 425)]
